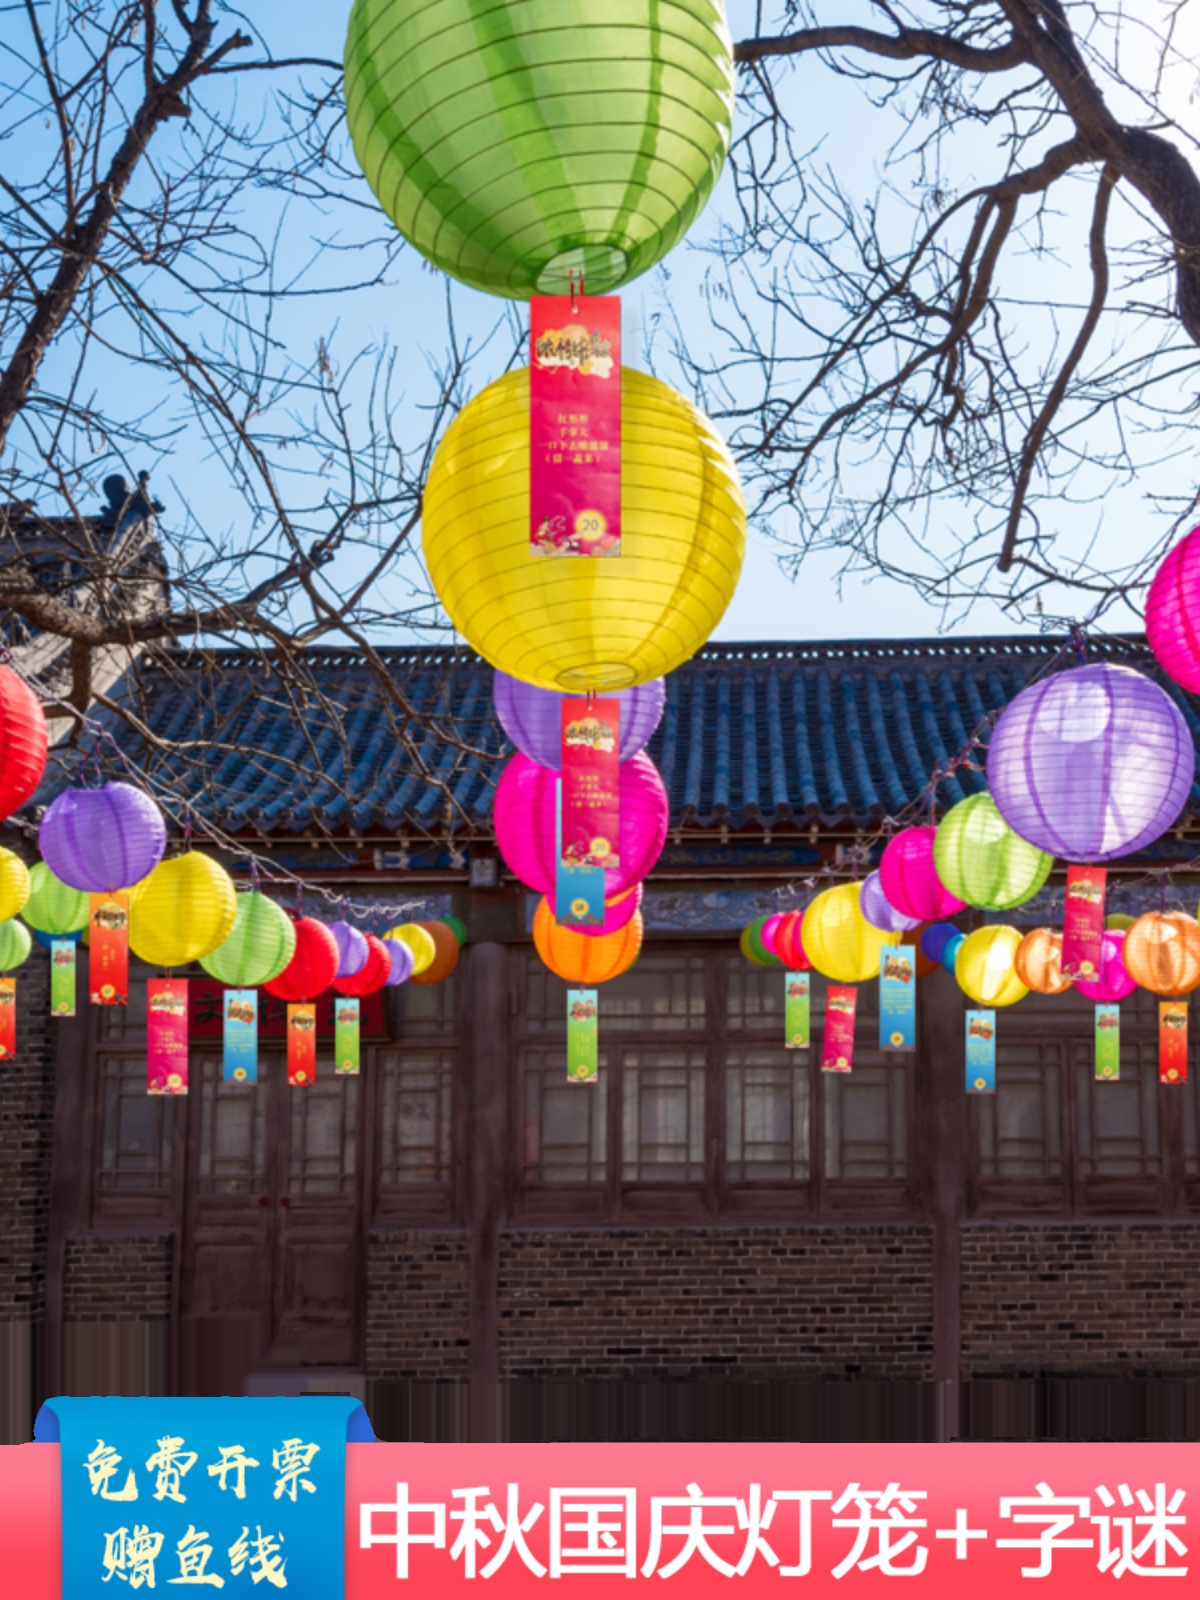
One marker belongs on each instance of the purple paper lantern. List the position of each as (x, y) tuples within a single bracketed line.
[(879, 911), (353, 949), (909, 877), (1114, 982), (532, 717), (1091, 764), (524, 818), (401, 958), (1173, 612), (102, 839)]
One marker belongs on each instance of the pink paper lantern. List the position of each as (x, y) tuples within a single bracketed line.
[(768, 931), (1173, 612), (524, 817), (618, 911), (909, 878), (1114, 982)]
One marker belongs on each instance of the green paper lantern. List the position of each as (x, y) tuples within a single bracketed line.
[(54, 907), (458, 928), (982, 861), (753, 947), (261, 944), (16, 941), (516, 144)]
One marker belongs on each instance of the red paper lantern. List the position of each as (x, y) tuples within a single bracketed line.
[(789, 946), (374, 972), (24, 742), (313, 966)]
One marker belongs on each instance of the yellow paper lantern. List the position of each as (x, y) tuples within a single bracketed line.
[(986, 967), (575, 623), (182, 911), (838, 939), (420, 944), (14, 884)]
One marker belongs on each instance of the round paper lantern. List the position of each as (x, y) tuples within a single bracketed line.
[(618, 910), (352, 948), (15, 944), (457, 927), (313, 966), (182, 911), (14, 884), (1172, 611), (585, 961), (401, 960), (838, 939), (1162, 952), (1114, 982), (767, 931), (985, 966), (532, 717), (1119, 920), (982, 861), (258, 947), (747, 947), (102, 839), (53, 907), (516, 145), (789, 943), (1039, 962), (445, 957), (1091, 764), (576, 623), (950, 952), (909, 877), (764, 955), (419, 943), (375, 971), (524, 821), (878, 909), (24, 742), (936, 937)]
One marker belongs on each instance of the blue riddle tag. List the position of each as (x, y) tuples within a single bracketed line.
[(981, 1052), (578, 891), (898, 997), (159, 1492), (240, 1009)]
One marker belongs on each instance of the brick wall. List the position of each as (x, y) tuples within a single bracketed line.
[(26, 1132), (1080, 1298), (417, 1311), (717, 1303), (117, 1278)]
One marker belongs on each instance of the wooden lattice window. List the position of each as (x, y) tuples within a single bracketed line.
[(416, 1087), (662, 1116), (1117, 1124), (232, 1153), (767, 1115), (866, 1120), (323, 1136), (1020, 1126), (136, 1128), (565, 1132)]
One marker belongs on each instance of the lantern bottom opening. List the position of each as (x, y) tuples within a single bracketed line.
[(598, 675), (599, 266)]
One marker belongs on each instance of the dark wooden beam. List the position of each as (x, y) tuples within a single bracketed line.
[(485, 982), (943, 1132)]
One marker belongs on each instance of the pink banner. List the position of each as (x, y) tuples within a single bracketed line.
[(991, 1520), (166, 1036), (1083, 922), (837, 1051), (591, 782), (575, 425)]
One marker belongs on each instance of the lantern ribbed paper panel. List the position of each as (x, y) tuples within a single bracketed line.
[(312, 967), (374, 973), (524, 820), (985, 966), (1173, 612), (53, 906), (14, 884), (1091, 764), (757, 946), (102, 839), (532, 717), (419, 944), (15, 944), (935, 939), (982, 861), (446, 952), (24, 742), (838, 939), (585, 961), (182, 911), (789, 943), (879, 911), (568, 623), (352, 948), (1039, 962), (458, 928), (1114, 982), (909, 878), (618, 910), (515, 144), (401, 960), (748, 943), (1162, 952), (258, 948)]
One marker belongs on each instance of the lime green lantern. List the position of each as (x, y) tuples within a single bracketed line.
[(982, 861), (54, 907), (261, 944), (515, 144), (15, 944)]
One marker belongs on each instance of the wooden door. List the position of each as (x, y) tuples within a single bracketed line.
[(270, 1252)]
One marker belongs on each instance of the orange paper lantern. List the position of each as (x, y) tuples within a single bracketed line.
[(581, 960), (1039, 962), (1162, 952), (445, 958)]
